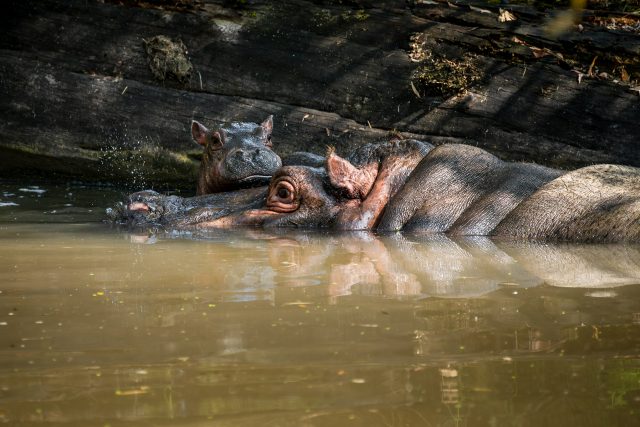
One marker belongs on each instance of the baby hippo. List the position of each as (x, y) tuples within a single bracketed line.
[(236, 155)]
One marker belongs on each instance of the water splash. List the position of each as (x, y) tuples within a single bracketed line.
[(123, 157), (138, 160)]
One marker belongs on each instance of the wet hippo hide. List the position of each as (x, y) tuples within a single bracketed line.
[(150, 209), (599, 203), (454, 189), (462, 190), (240, 155), (236, 155)]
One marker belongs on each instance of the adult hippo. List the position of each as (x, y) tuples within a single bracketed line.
[(399, 157), (454, 189)]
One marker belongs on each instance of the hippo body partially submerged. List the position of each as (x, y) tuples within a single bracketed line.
[(455, 189)]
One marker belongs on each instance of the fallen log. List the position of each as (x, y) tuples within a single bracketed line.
[(79, 98)]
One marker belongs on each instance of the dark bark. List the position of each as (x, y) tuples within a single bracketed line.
[(78, 97)]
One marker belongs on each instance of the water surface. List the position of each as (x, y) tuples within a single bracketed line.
[(103, 327)]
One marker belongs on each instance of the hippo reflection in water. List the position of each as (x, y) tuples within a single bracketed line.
[(338, 264), (410, 185)]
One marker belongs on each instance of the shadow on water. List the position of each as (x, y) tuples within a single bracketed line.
[(246, 327)]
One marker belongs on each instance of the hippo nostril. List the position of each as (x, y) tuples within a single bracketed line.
[(242, 155)]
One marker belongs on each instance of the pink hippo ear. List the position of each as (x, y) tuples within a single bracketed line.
[(199, 133), (202, 135), (356, 183), (267, 125)]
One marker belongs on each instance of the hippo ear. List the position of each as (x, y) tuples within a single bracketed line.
[(217, 139), (267, 125), (355, 183), (199, 133)]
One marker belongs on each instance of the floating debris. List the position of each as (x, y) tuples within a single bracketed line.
[(601, 294), (33, 189), (449, 372), (142, 390)]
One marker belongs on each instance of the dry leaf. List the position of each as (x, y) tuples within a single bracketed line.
[(477, 9), (413, 88), (506, 16), (539, 53), (593, 63), (624, 76)]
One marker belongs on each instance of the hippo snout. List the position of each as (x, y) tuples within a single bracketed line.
[(251, 161)]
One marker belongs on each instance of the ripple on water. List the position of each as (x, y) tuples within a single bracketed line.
[(33, 189), (290, 328)]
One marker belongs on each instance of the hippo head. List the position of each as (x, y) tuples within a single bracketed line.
[(237, 155), (301, 196), (341, 195)]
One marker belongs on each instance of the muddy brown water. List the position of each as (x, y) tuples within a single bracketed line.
[(100, 327)]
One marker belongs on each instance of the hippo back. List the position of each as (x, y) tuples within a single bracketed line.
[(462, 190), (599, 203)]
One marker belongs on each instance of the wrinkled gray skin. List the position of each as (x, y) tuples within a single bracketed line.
[(157, 210), (463, 190), (236, 155), (239, 155), (454, 189), (303, 158), (151, 208)]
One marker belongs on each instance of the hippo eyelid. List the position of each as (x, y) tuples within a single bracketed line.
[(286, 187), (283, 197)]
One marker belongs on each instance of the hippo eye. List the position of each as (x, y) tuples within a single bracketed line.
[(282, 197), (283, 193)]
